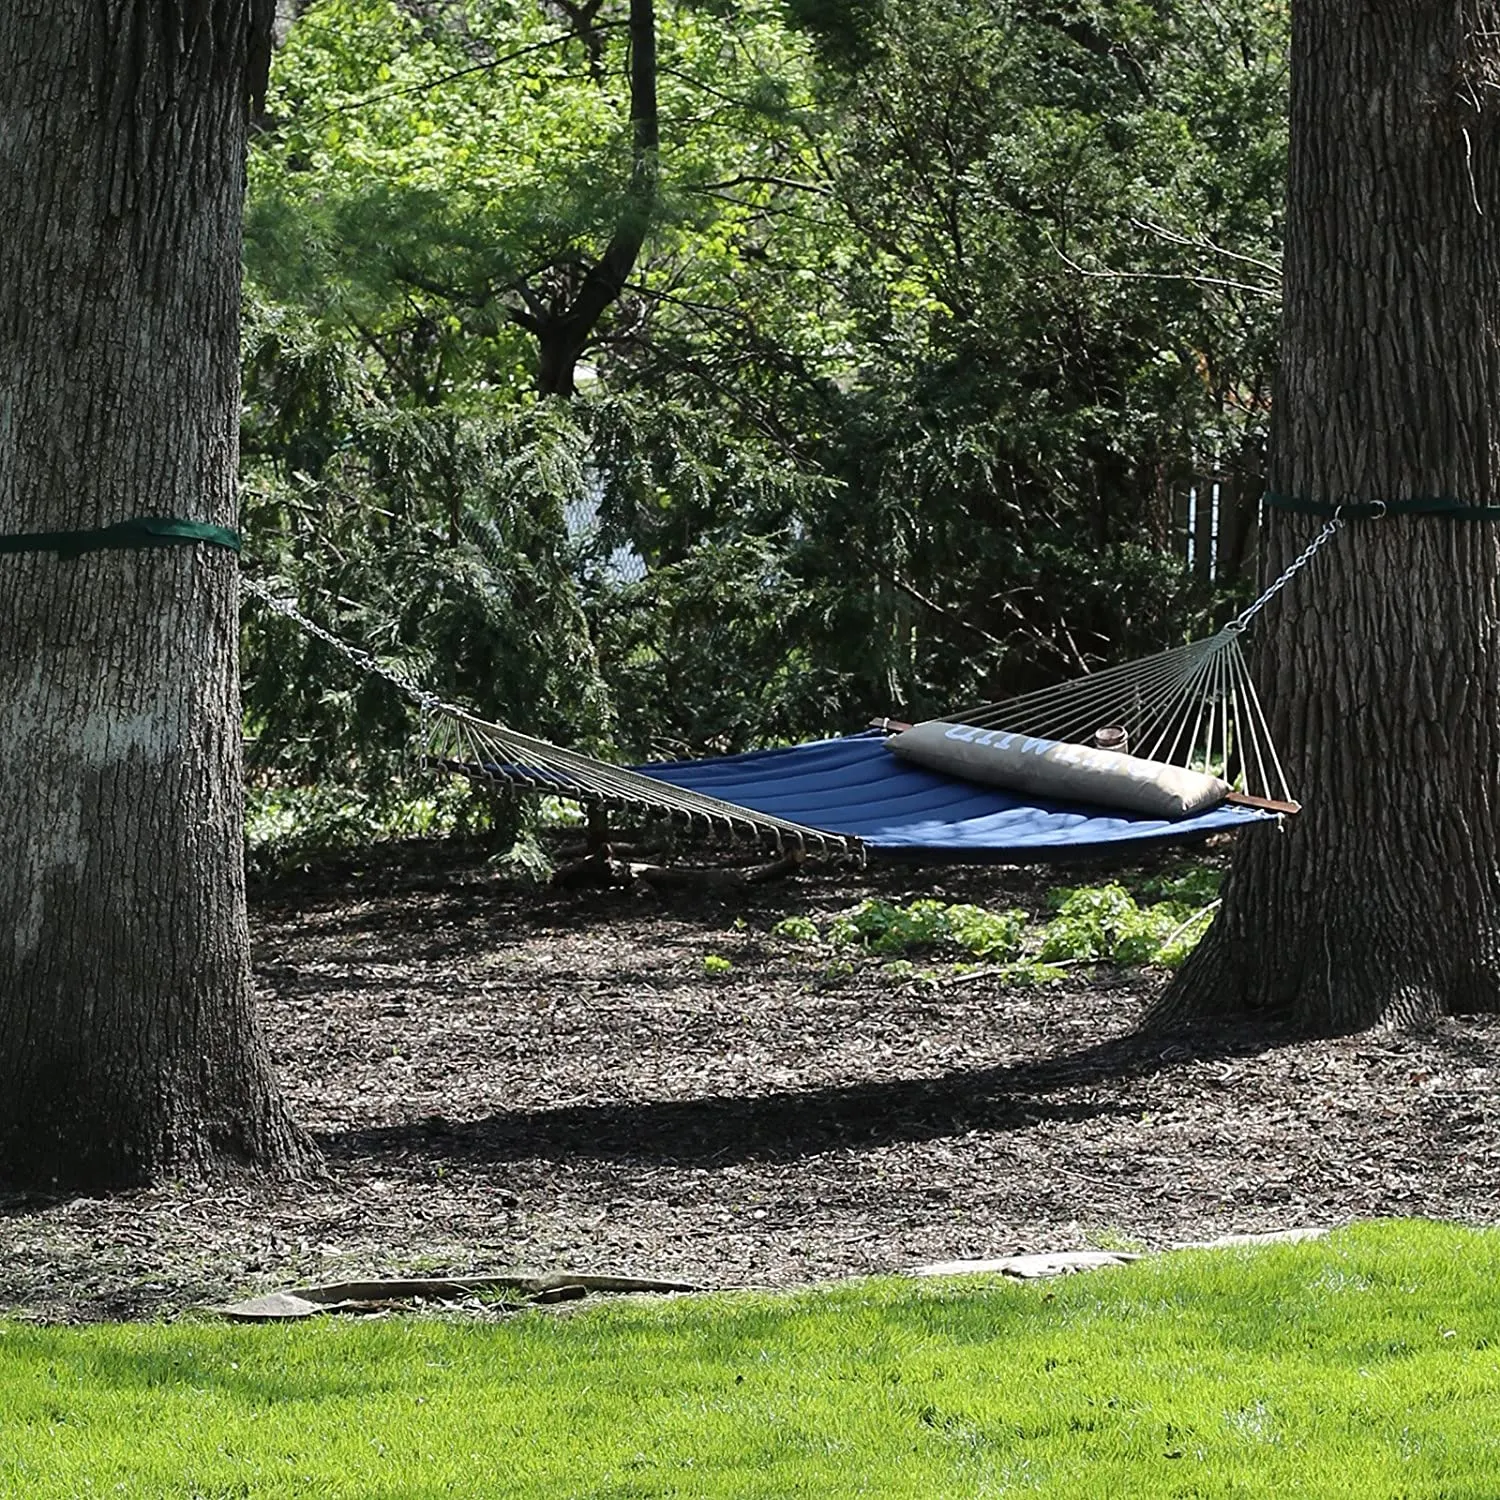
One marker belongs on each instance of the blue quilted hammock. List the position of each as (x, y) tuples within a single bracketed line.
[(856, 786)]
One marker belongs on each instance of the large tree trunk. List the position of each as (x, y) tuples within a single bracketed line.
[(1381, 902), (127, 1047)]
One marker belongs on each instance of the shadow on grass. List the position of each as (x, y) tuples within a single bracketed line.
[(720, 1130)]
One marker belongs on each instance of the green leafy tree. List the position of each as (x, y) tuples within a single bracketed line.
[(431, 200), (1041, 253), (930, 313)]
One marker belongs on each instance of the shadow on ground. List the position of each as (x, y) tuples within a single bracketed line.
[(785, 1126)]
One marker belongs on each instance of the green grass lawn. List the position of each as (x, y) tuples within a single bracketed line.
[(1367, 1364)]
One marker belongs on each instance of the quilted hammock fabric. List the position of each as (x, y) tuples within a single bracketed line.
[(856, 786)]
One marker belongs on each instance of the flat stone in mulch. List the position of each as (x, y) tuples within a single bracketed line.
[(477, 1293), (1066, 1262), (509, 1081)]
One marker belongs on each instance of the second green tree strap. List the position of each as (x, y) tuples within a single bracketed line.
[(1356, 510)]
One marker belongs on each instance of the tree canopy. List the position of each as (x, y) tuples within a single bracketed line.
[(938, 315)]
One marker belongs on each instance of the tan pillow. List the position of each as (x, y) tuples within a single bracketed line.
[(1053, 768)]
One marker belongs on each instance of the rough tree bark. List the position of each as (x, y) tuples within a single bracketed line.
[(1381, 901), (127, 1045)]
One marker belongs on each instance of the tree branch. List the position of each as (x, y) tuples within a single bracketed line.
[(565, 338), (1192, 278), (758, 179), (1203, 243)]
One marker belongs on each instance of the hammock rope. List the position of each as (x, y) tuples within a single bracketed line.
[(1193, 705), (461, 742)]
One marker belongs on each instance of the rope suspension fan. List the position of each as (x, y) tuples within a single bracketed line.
[(456, 740), (1194, 706)]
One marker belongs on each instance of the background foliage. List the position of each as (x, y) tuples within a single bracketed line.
[(941, 310)]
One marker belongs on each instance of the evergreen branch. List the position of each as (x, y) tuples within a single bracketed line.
[(783, 210), (883, 237), (711, 310), (478, 301), (942, 611), (757, 352), (762, 415)]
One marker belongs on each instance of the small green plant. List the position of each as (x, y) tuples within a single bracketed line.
[(796, 930), (987, 934), (1196, 886), (1090, 924), (525, 862), (1025, 972), (883, 927), (1100, 922), (1104, 923), (554, 812), (716, 963), (903, 969)]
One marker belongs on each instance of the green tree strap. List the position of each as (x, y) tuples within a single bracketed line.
[(122, 536), (1458, 510)]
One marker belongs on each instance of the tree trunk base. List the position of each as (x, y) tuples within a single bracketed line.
[(247, 1139), (1341, 998)]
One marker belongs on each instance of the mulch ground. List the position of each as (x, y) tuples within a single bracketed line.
[(504, 1079)]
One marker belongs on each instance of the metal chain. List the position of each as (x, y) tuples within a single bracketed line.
[(1241, 621), (357, 657), (430, 704)]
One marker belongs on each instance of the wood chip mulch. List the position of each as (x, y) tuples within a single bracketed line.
[(538, 1080)]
